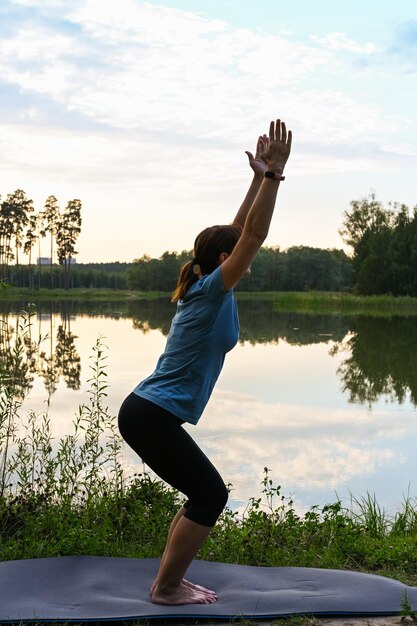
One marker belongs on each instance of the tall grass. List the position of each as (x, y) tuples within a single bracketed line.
[(74, 496), (337, 302)]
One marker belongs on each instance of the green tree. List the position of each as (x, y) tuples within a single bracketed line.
[(147, 274), (31, 236), (268, 272), (403, 252), (51, 216), (69, 227), (6, 231), (365, 215), (18, 207), (367, 228)]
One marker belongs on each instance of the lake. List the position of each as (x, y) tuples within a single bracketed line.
[(326, 402)]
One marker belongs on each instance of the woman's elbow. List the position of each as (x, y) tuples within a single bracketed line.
[(256, 234)]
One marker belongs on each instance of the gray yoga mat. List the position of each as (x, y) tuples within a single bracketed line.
[(94, 588)]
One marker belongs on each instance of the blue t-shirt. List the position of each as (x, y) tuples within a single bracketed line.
[(204, 328)]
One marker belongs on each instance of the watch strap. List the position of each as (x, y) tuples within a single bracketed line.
[(274, 175)]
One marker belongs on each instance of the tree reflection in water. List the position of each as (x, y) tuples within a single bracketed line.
[(23, 357), (381, 360)]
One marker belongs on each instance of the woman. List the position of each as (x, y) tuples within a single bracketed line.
[(204, 328)]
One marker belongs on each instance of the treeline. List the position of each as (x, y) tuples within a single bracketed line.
[(83, 275), (22, 229), (384, 261), (384, 242), (300, 268)]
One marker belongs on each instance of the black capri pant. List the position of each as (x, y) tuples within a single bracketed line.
[(157, 436)]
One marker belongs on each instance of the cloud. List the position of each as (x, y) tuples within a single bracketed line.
[(339, 41), (101, 94), (139, 66), (155, 77), (313, 450)]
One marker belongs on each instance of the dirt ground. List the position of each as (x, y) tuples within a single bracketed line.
[(394, 620), (388, 620)]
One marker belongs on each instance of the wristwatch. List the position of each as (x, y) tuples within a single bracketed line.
[(274, 175)]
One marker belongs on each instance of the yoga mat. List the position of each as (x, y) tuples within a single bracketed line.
[(94, 588)]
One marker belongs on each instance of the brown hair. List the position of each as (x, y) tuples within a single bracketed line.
[(208, 246)]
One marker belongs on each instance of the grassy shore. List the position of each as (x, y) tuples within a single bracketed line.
[(301, 301), (133, 522)]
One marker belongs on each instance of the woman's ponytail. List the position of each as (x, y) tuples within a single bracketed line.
[(186, 278)]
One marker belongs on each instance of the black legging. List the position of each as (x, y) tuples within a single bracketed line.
[(157, 436)]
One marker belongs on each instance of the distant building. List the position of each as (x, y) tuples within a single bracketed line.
[(46, 260)]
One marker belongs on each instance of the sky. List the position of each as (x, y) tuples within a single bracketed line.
[(144, 110)]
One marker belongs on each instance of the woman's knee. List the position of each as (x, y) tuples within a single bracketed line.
[(223, 496), (207, 507)]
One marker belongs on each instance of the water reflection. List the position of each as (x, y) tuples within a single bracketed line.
[(259, 323), (382, 360), (379, 359), (291, 395), (308, 448), (27, 351)]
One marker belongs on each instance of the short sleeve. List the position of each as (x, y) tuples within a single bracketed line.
[(213, 285)]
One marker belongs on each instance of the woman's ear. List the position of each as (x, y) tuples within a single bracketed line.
[(223, 256)]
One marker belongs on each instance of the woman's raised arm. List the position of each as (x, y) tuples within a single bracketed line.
[(258, 165), (259, 217)]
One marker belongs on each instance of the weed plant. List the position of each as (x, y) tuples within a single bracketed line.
[(73, 496)]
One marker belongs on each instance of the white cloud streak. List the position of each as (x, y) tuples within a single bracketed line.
[(339, 41)]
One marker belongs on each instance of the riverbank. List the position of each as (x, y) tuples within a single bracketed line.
[(300, 301)]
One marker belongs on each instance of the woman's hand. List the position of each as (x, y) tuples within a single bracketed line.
[(257, 162), (279, 147)]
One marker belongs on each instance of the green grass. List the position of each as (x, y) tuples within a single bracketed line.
[(133, 522), (335, 302)]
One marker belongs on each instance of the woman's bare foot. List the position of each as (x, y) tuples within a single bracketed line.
[(182, 594), (210, 592), (188, 583)]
